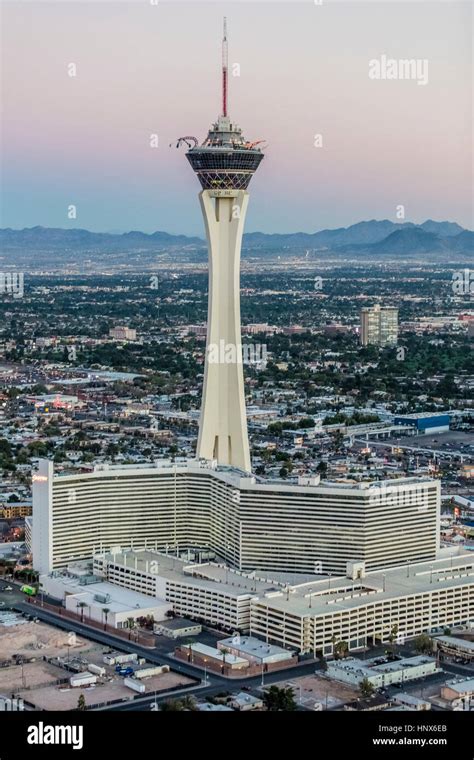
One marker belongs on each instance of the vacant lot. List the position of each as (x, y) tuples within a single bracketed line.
[(65, 698), (32, 674), (311, 689), (38, 639)]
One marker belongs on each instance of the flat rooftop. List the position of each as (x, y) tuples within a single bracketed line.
[(456, 641), (371, 668), (238, 478), (217, 654), (254, 647), (121, 599), (176, 624), (461, 686), (206, 574), (339, 594)]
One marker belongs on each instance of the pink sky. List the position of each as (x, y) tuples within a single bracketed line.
[(145, 69)]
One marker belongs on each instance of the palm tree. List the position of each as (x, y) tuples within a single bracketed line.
[(81, 702), (224, 652), (131, 626), (105, 611), (392, 637), (82, 605)]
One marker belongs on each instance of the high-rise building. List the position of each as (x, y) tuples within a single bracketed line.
[(379, 326), (123, 333), (224, 164), (274, 526)]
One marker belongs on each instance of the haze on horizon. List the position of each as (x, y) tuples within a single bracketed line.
[(144, 69)]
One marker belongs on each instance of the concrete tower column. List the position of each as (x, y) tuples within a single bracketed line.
[(223, 425)]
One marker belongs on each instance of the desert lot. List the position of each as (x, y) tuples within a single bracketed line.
[(65, 698), (39, 639), (317, 689), (37, 682), (32, 674)]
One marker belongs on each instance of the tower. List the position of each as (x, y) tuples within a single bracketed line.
[(224, 164)]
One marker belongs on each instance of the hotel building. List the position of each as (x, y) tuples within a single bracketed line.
[(311, 527)]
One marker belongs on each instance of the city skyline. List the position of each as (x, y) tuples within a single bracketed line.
[(85, 140)]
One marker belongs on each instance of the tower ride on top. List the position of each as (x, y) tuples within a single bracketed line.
[(224, 164)]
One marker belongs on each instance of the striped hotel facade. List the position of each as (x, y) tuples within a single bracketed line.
[(253, 525)]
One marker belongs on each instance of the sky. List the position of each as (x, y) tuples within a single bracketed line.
[(153, 67)]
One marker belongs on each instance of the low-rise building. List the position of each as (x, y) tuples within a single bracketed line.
[(411, 702), (177, 628), (87, 596), (453, 645), (255, 650), (381, 672), (459, 688), (244, 702), (204, 655)]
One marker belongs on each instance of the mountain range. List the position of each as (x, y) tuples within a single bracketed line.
[(368, 238)]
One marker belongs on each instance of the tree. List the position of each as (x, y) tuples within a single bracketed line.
[(131, 626), (277, 700), (423, 644), (188, 703), (81, 702), (366, 688), (393, 633), (82, 605), (171, 705), (340, 649), (106, 611), (323, 663)]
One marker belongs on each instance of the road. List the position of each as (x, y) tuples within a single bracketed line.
[(215, 683), (447, 454)]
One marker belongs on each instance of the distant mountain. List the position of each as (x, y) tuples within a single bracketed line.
[(49, 238), (445, 229), (411, 241), (464, 242), (43, 245), (407, 241), (356, 234)]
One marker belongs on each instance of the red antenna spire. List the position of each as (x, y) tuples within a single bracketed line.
[(224, 69)]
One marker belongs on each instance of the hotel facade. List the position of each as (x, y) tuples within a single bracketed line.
[(311, 527)]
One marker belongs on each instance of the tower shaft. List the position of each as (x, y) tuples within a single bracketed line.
[(223, 425)]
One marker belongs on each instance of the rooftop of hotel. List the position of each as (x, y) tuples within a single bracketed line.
[(339, 594), (225, 579), (241, 479)]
